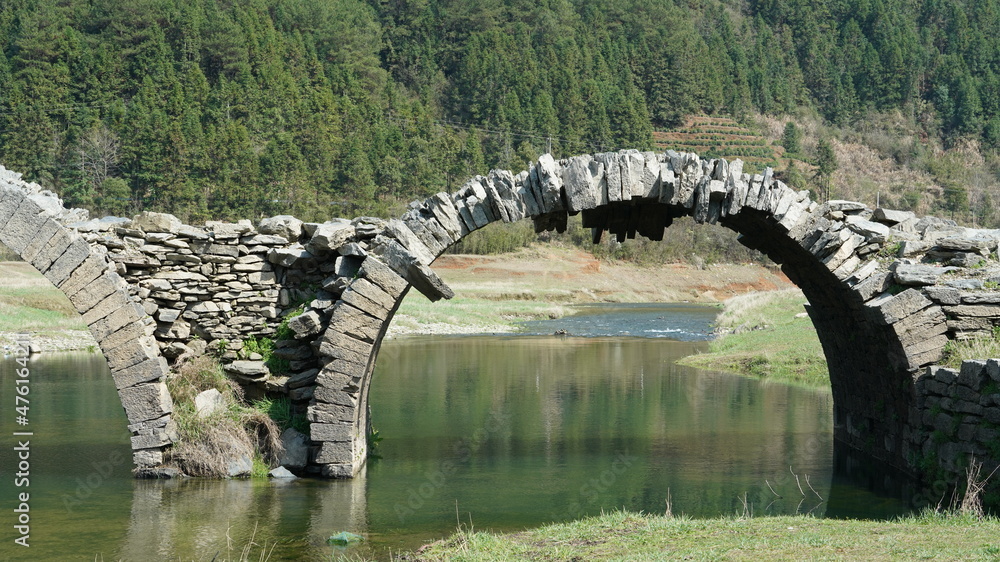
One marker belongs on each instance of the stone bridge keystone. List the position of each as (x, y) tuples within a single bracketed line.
[(887, 291)]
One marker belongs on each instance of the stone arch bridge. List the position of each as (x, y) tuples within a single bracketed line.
[(886, 291)]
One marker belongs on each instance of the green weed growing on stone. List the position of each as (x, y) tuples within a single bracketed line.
[(262, 346), (373, 440), (284, 332), (890, 250), (265, 347), (280, 410)]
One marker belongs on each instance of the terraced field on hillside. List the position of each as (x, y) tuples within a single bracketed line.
[(721, 137)]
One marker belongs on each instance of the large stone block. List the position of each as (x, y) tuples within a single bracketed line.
[(306, 324), (128, 314), (76, 252), (149, 370), (550, 183), (114, 302), (583, 177), (147, 458), (444, 210), (130, 353), (335, 453), (153, 438), (335, 396), (420, 276), (10, 200), (285, 226), (53, 249), (402, 233), (322, 412), (23, 225), (96, 291), (296, 449), (894, 308), (40, 240), (344, 432), (156, 222), (330, 236), (127, 333), (90, 269), (382, 275), (331, 350), (343, 341), (424, 227), (919, 274), (145, 402), (373, 293), (355, 370), (363, 303)]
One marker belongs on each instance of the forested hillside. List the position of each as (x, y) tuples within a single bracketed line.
[(340, 107)]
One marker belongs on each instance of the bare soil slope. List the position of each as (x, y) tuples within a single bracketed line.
[(568, 275)]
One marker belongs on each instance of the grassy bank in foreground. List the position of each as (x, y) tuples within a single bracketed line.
[(629, 536), (767, 336)]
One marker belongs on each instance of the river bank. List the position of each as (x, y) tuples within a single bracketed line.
[(494, 293), (632, 536), (766, 335)]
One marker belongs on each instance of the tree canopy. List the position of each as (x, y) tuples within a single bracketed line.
[(236, 109)]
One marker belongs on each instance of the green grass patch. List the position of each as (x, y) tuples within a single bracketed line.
[(631, 536), (768, 338), (41, 308)]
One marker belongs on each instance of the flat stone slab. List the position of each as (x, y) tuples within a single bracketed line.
[(249, 369), (920, 275)]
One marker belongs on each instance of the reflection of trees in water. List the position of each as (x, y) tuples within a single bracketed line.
[(198, 519), (578, 404)]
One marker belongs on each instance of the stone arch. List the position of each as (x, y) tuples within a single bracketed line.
[(32, 229), (878, 335)]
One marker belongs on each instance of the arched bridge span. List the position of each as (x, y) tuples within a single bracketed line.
[(886, 292)]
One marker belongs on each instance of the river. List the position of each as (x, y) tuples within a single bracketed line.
[(493, 432)]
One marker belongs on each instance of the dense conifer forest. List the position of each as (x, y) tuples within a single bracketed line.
[(319, 108)]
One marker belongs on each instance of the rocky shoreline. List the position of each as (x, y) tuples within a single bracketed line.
[(49, 342)]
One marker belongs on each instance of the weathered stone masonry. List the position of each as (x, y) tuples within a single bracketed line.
[(32, 227), (886, 290)]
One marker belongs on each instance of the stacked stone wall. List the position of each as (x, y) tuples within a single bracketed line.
[(955, 419)]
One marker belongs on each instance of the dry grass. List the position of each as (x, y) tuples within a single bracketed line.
[(757, 308), (956, 351), (209, 444)]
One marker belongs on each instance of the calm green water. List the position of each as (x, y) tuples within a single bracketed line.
[(514, 431)]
